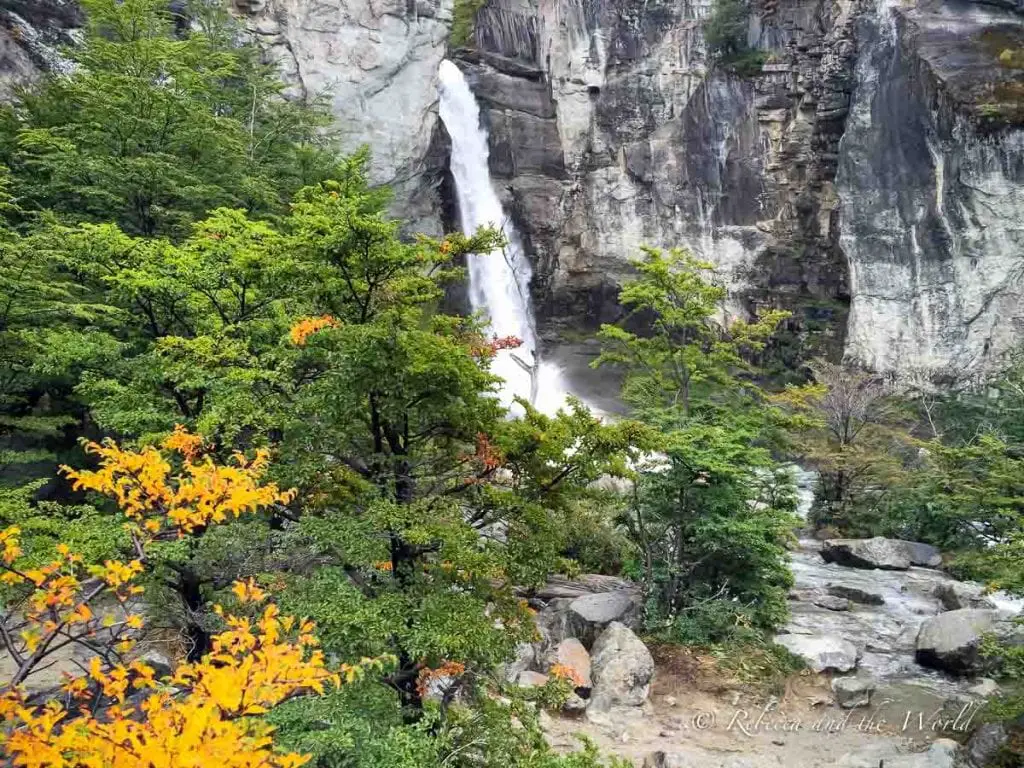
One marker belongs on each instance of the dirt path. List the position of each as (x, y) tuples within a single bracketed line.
[(732, 729)]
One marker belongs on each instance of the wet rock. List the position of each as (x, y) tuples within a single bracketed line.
[(822, 653), (985, 743), (856, 595), (985, 688), (570, 653), (622, 669), (950, 641), (853, 692), (832, 603), (886, 554), (955, 595)]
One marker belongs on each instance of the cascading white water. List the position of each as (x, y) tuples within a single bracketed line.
[(498, 281)]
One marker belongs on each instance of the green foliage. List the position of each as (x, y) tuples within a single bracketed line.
[(725, 32), (152, 130), (710, 516), (851, 429), (463, 20)]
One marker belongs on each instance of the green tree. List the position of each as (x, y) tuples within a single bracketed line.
[(151, 130), (711, 518)]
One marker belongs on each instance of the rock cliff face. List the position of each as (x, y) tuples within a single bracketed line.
[(859, 171), (870, 178), (377, 61)]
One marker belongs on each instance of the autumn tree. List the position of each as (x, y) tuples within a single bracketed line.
[(852, 429), (119, 711)]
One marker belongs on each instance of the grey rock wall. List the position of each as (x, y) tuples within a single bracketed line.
[(609, 131), (932, 194), (377, 61)]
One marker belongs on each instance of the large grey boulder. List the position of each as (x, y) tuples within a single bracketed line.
[(985, 743), (886, 554), (822, 653), (588, 615), (923, 555), (853, 692), (951, 640), (955, 595), (585, 584), (622, 669)]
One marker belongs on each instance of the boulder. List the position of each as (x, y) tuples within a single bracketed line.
[(586, 584), (886, 554), (526, 656), (923, 555), (530, 679), (832, 603), (985, 688), (985, 743), (822, 653), (571, 654), (855, 595), (955, 595), (622, 669), (950, 640), (588, 615), (853, 692)]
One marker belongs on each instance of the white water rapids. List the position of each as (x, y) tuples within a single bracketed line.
[(498, 281)]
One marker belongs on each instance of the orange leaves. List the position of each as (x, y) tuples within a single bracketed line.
[(565, 672), (448, 670), (487, 348), (143, 486), (487, 454), (308, 326), (181, 441)]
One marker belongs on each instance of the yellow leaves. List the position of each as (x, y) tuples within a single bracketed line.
[(181, 441), (10, 544), (204, 493), (248, 592), (80, 615), (116, 574), (308, 326), (197, 723)]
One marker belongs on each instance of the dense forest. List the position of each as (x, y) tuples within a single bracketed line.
[(253, 465)]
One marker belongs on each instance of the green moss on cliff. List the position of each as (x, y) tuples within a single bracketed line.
[(463, 21)]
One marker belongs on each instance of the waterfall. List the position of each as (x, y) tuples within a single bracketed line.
[(498, 281)]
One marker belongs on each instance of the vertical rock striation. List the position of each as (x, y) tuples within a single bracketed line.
[(931, 186), (377, 61), (612, 131)]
